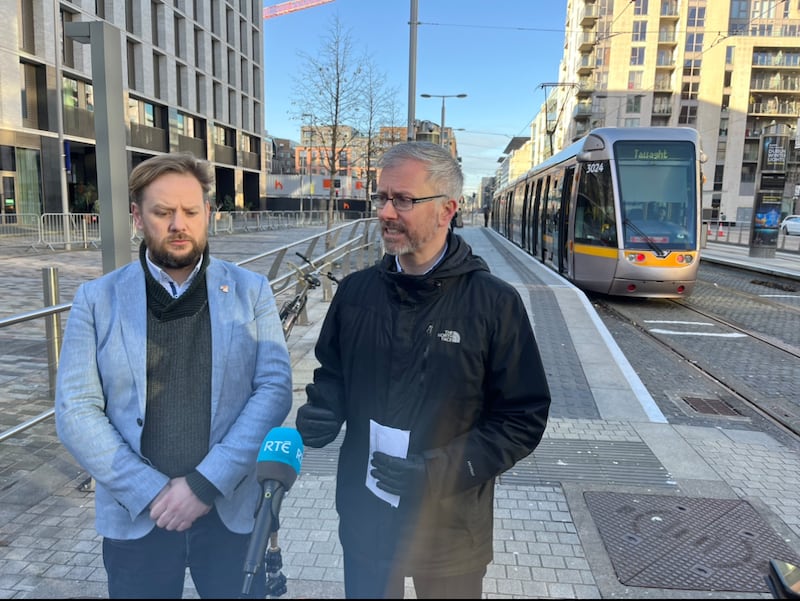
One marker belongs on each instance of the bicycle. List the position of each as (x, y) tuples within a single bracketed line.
[(292, 309)]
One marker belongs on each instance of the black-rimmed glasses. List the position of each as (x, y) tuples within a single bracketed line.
[(401, 203)]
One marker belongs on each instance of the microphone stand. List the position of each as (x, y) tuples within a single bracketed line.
[(276, 581), (273, 494)]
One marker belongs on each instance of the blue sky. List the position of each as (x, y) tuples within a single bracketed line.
[(497, 52)]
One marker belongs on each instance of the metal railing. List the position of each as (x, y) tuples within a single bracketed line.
[(730, 232), (344, 248)]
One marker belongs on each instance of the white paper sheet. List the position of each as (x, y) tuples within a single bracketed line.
[(392, 442)]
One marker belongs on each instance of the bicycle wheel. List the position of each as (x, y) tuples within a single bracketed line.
[(290, 311)]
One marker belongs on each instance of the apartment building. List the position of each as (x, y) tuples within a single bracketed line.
[(358, 153), (193, 81), (728, 68)]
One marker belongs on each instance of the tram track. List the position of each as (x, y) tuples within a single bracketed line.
[(736, 339)]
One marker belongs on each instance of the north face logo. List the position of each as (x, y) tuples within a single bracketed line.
[(450, 336)]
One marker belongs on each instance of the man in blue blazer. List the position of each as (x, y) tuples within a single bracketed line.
[(172, 371)]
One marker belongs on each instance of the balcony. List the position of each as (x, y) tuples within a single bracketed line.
[(586, 87), (667, 38), (224, 154), (586, 64), (588, 15), (587, 41), (150, 138), (775, 84), (79, 122), (194, 145), (775, 108), (249, 160), (582, 111), (669, 11), (663, 85)]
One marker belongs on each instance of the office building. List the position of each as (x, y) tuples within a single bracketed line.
[(193, 81)]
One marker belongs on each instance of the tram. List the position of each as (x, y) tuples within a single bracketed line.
[(617, 212)]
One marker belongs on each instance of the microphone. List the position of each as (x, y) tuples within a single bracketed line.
[(277, 466)]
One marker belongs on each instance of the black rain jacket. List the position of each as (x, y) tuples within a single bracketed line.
[(451, 357)]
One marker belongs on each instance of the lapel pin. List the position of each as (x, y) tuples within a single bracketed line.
[(224, 288)]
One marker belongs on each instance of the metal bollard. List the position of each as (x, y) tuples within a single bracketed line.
[(52, 324)]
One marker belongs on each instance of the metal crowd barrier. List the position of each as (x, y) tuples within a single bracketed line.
[(56, 231)]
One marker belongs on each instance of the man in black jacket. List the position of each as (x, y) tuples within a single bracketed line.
[(432, 363)]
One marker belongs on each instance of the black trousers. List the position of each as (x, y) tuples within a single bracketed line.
[(154, 566), (366, 578)]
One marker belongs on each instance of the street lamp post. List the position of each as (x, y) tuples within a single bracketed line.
[(442, 96), (306, 165)]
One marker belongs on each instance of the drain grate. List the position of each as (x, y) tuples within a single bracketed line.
[(686, 543), (776, 285), (711, 406)]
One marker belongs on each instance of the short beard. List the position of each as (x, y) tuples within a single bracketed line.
[(413, 241), (167, 260)]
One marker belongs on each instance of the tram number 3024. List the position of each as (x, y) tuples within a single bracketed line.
[(594, 167)]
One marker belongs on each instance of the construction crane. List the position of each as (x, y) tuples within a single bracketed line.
[(276, 10)]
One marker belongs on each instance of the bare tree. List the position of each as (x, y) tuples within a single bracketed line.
[(378, 104), (329, 89)]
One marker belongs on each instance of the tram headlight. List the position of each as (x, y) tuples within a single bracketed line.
[(636, 257)]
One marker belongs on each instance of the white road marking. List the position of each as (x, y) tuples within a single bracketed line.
[(721, 335)]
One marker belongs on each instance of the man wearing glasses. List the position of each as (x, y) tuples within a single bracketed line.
[(431, 363)]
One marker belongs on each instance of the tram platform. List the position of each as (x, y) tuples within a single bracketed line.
[(615, 503)]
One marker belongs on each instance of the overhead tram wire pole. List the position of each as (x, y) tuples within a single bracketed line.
[(412, 70), (441, 124)]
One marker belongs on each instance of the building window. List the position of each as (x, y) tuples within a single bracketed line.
[(637, 56), (633, 103), (639, 31), (688, 115), (689, 90), (634, 80), (739, 9), (640, 7), (694, 42), (697, 16)]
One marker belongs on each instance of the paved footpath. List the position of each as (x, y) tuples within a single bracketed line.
[(609, 506)]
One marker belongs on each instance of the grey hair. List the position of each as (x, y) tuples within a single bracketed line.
[(444, 172)]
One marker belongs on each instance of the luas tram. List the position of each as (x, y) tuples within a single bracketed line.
[(617, 212)]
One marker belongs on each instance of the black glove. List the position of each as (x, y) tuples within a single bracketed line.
[(317, 425), (397, 475)]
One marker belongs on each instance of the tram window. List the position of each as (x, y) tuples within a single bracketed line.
[(655, 176), (594, 209)]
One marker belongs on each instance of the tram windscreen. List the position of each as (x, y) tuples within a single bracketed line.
[(658, 194)]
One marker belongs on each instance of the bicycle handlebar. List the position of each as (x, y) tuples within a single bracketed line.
[(328, 274)]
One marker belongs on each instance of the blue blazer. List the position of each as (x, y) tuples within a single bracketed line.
[(101, 385)]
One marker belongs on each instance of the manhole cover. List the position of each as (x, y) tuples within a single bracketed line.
[(686, 543), (711, 406)]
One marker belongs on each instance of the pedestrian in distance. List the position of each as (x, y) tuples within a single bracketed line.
[(172, 371), (486, 210), (431, 364)]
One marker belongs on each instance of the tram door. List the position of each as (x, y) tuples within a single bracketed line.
[(563, 220), (8, 198), (533, 224)]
